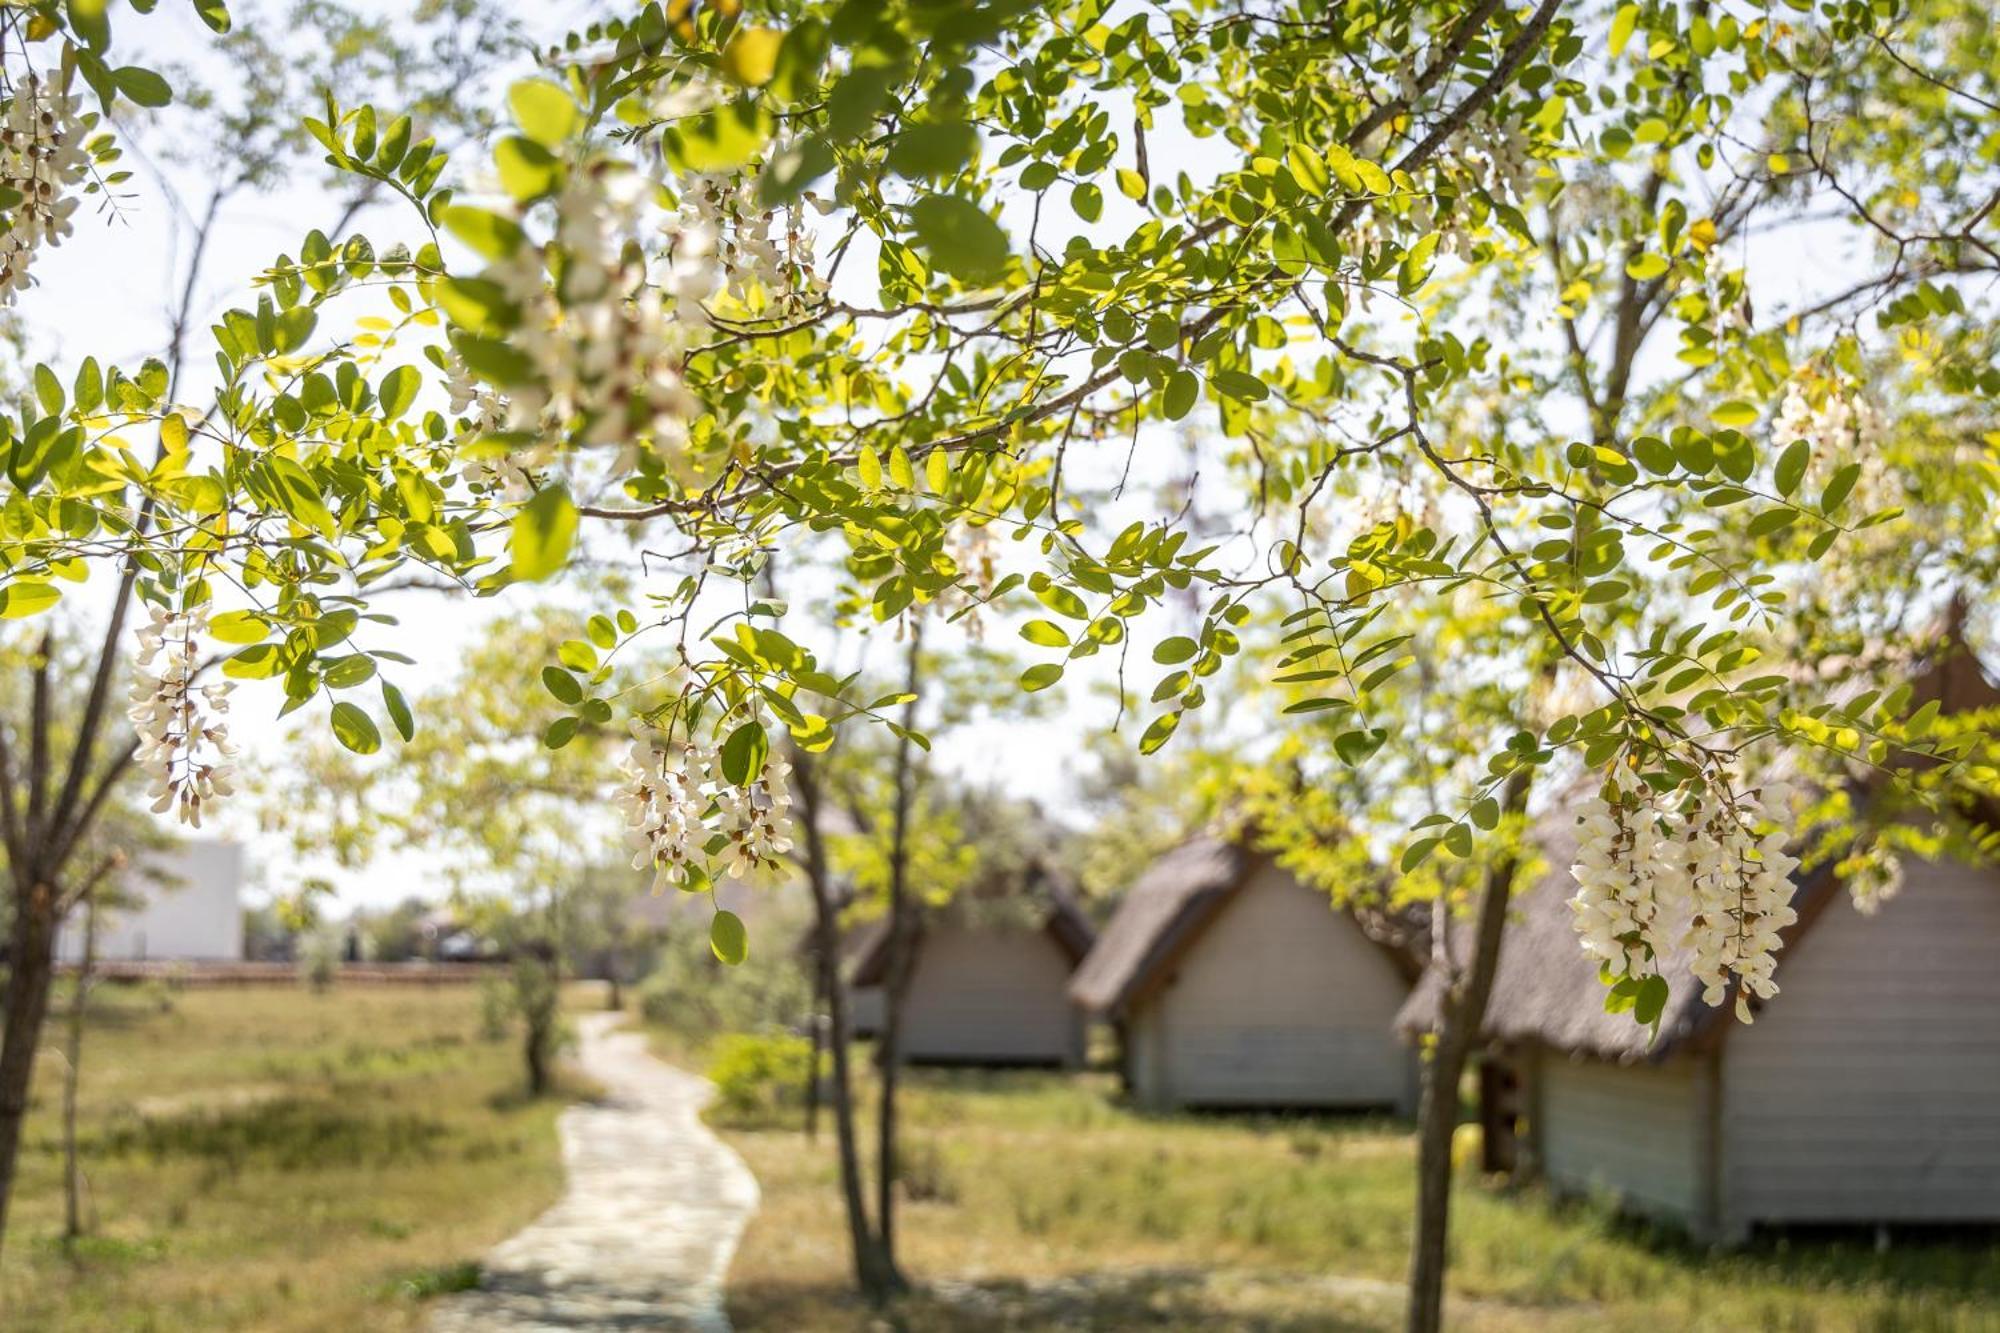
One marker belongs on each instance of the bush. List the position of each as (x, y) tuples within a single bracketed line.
[(698, 998), (760, 1081)]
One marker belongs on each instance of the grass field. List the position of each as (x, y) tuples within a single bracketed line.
[(1038, 1203), (276, 1160)]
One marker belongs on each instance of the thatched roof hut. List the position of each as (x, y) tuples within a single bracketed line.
[(1866, 1091), (1233, 984), (990, 980)]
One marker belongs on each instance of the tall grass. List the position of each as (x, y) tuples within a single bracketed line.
[(277, 1160)]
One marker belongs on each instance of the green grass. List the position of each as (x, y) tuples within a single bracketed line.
[(276, 1160), (1043, 1204)]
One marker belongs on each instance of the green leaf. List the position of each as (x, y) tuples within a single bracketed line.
[(87, 18), (1236, 384), (1418, 852), (932, 148), (399, 711), (1175, 650), (560, 733), (142, 85), (353, 728), (493, 236), (728, 939), (18, 601), (544, 531), (1735, 412), (1088, 201), (1644, 267), (1045, 634), (961, 238), (399, 390), (744, 753), (344, 673), (214, 13), (1159, 732), (1839, 488), (1063, 602), (1041, 676), (1792, 466), (1621, 28), (547, 114), (869, 465), (239, 627), (1651, 1001), (562, 685)]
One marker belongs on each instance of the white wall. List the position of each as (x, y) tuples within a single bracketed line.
[(195, 913), (1629, 1130), (1280, 1002), (991, 994), (1869, 1088)]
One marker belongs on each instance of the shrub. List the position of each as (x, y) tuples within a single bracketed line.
[(698, 998), (759, 1080)]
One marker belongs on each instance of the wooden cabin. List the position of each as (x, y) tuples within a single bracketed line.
[(1867, 1091), (990, 981), (1233, 985)]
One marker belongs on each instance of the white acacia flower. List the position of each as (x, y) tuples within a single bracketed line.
[(42, 159), (182, 740), (1712, 873)]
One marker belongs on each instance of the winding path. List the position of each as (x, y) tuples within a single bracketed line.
[(643, 1235)]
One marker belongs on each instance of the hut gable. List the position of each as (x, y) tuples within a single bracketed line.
[(1162, 911), (1233, 984)]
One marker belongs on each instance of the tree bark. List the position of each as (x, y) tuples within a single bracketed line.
[(1461, 1014), (31, 966), (902, 959), (73, 1078), (872, 1273)]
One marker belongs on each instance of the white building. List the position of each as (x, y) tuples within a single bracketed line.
[(186, 906), (1233, 985)]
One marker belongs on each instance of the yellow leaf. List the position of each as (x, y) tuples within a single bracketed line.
[(752, 56), (174, 433)]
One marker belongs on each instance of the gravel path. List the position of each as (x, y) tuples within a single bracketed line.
[(643, 1235)]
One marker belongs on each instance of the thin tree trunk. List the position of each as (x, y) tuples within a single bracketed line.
[(902, 932), (31, 965), (871, 1273), (1461, 1015), (73, 1077), (817, 1021)]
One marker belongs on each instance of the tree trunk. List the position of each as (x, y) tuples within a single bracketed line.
[(873, 1274), (73, 1077), (817, 1021), (902, 963), (32, 963), (1461, 1014)]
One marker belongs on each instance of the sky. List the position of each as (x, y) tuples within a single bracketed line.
[(109, 289)]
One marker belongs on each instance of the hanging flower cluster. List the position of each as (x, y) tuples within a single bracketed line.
[(724, 239), (1711, 874), (676, 802), (181, 739), (42, 159), (1827, 415), (1873, 876), (605, 357)]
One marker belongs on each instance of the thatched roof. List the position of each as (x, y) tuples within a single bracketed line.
[(1176, 899), (1176, 896), (1547, 989), (1052, 895)]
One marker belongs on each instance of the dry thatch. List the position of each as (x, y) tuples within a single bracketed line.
[(1046, 891), (1177, 898)]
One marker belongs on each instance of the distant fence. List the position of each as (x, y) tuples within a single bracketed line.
[(186, 973)]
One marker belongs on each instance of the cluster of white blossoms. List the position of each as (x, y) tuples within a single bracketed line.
[(180, 737), (42, 158), (722, 238), (1833, 419), (1873, 876), (606, 356), (676, 801), (1711, 875)]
